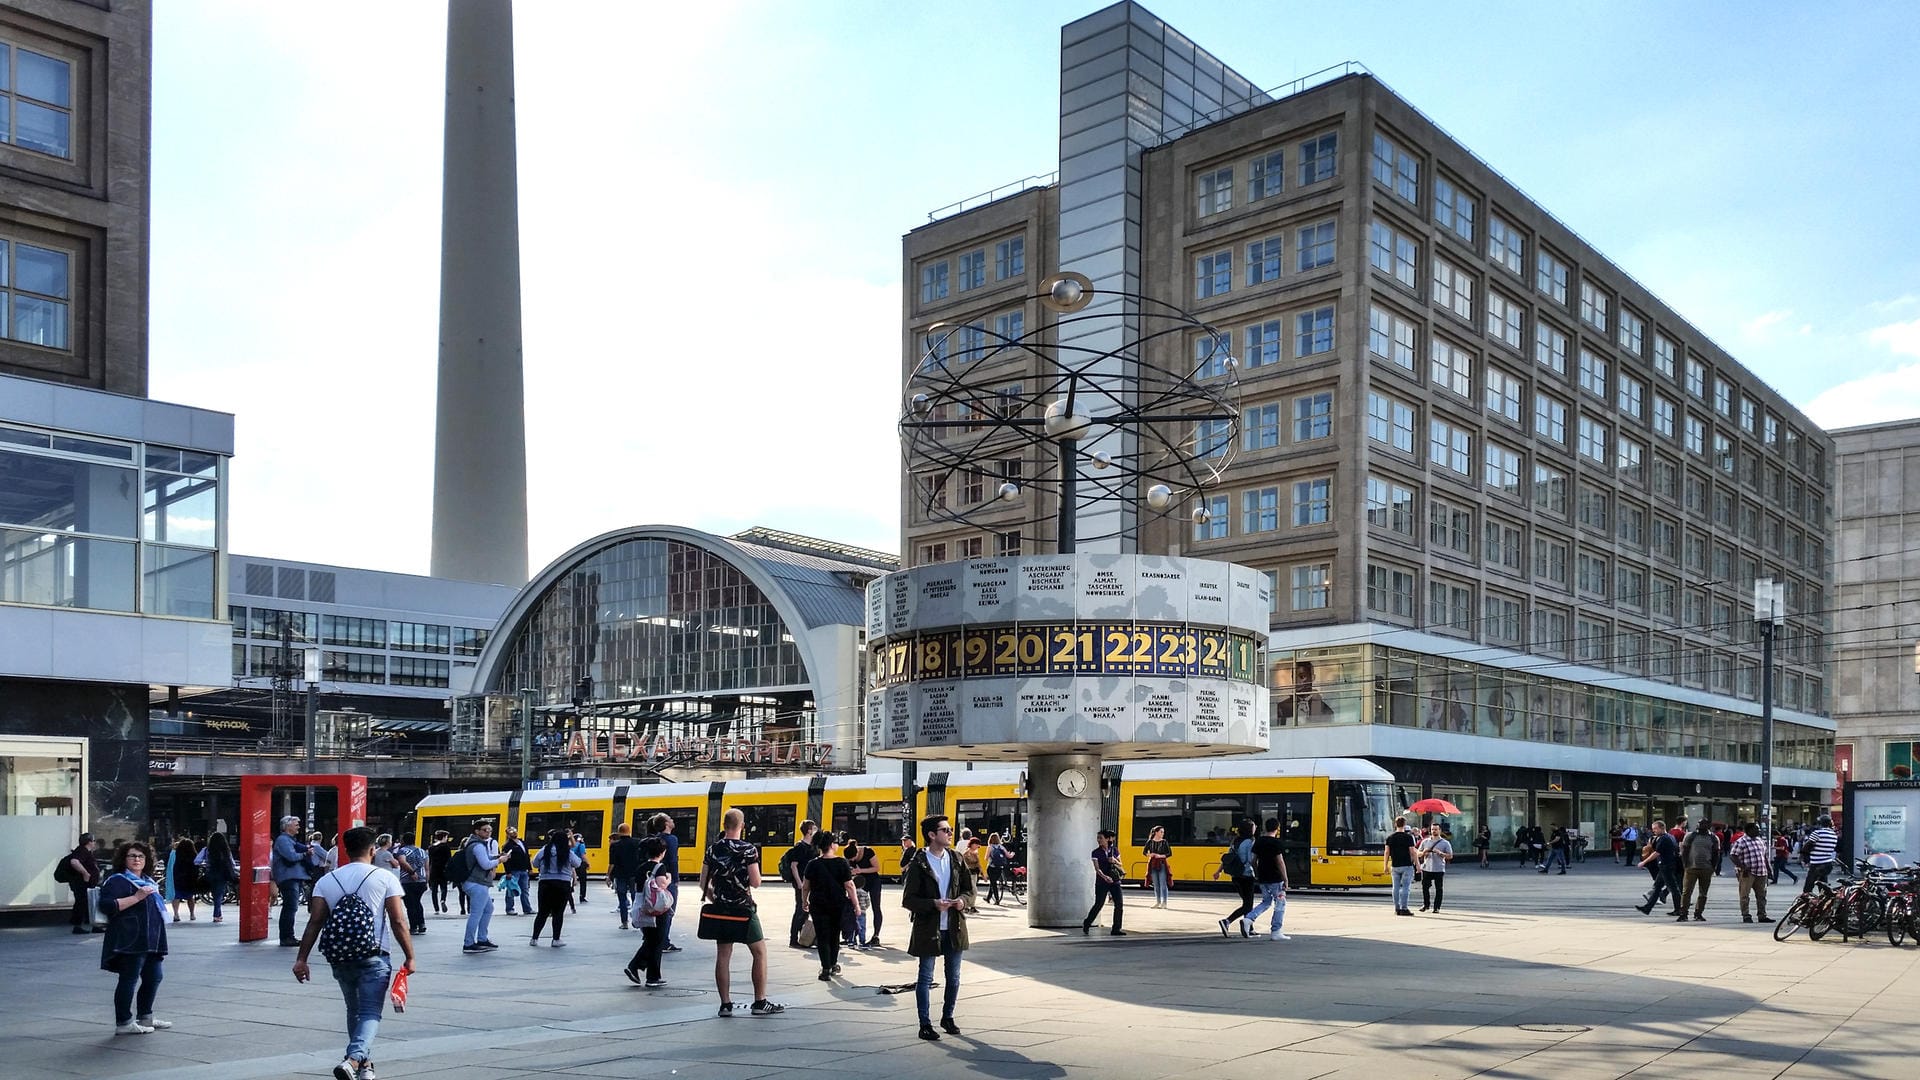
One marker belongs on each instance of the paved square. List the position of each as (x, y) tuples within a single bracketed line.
[(1521, 976)]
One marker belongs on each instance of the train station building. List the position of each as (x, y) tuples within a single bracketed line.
[(1511, 504)]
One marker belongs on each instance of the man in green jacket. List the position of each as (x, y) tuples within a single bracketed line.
[(934, 888)]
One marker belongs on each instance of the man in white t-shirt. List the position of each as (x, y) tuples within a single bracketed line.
[(363, 981)]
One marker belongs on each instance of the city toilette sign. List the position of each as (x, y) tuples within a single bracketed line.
[(981, 657)]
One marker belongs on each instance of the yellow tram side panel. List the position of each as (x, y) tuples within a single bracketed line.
[(771, 846), (573, 805), (1197, 862), (886, 848), (456, 812), (646, 800)]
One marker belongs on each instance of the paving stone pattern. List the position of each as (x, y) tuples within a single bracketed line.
[(1522, 976)]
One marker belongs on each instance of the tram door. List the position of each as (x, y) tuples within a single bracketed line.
[(1295, 811)]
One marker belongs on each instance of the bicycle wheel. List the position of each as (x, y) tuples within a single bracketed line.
[(1820, 917), (1793, 920), (1898, 914)]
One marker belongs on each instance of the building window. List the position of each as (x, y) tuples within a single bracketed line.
[(1263, 344), (1210, 355), (1593, 373), (1265, 175), (1449, 607), (1504, 393), (1211, 437), (1318, 158), (1723, 452), (973, 270), (1213, 191), (1592, 638), (1550, 561), (1749, 416), (417, 671), (353, 631), (1631, 588), (1503, 319), (1263, 260), (1391, 252), (1633, 526), (1549, 348), (1212, 274), (1505, 246), (419, 637), (1010, 258), (1313, 416), (1633, 332), (1260, 427), (1663, 354), (1723, 397), (1450, 446), (1450, 528), (468, 641), (1630, 395), (1501, 620), (1550, 490), (1591, 503), (1696, 440), (1260, 510), (1770, 431), (1549, 631), (1395, 168), (1593, 306), (1313, 332), (933, 282), (1390, 337), (1007, 543), (1390, 422), (36, 291), (1662, 416), (1503, 469), (973, 342), (1313, 587), (1592, 574), (1631, 460), (1666, 477), (1661, 600), (1451, 367), (1390, 506), (1594, 440), (1312, 502), (1452, 288), (1316, 245), (1390, 591), (37, 90), (1550, 277), (1008, 328), (1550, 419), (1453, 208), (1696, 378), (1213, 524), (1505, 545)]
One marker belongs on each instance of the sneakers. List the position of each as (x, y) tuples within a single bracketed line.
[(1644, 909), (632, 974), (763, 1007), (655, 984), (1278, 936), (927, 1033), (477, 948), (947, 1025), (366, 1072), (1763, 918), (348, 1069), (826, 976), (1246, 929), (558, 944), (726, 1008), (535, 942), (669, 947), (1223, 928), (1116, 933), (157, 1025), (486, 945), (133, 1027)]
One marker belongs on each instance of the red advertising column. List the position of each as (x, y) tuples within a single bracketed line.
[(258, 827)]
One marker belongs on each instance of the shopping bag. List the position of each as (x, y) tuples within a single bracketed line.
[(805, 936), (399, 993), (93, 906)]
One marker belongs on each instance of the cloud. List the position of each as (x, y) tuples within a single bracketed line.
[(1900, 337), (1761, 327), (1870, 399), (1895, 304)]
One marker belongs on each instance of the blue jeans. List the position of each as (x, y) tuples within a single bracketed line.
[(1402, 887), (290, 893), (479, 911), (219, 891), (624, 891), (665, 922), (363, 983), (520, 887), (1554, 855), (1162, 883), (923, 987), (145, 970), (1273, 894)]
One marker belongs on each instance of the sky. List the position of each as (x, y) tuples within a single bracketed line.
[(713, 195)]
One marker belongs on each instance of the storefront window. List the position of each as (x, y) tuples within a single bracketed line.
[(40, 800), (1506, 812)]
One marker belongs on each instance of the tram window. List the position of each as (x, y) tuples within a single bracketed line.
[(1164, 811), (1212, 818), (458, 826), (771, 826), (590, 824), (1362, 814), (870, 822), (686, 822), (988, 816)]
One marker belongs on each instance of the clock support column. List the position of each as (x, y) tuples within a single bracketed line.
[(1060, 839)]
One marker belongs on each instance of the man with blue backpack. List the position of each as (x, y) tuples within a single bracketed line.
[(351, 913), (1236, 865)]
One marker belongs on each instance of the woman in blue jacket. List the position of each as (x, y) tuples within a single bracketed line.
[(136, 939)]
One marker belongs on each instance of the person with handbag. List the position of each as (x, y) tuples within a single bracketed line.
[(653, 902), (1159, 868), (80, 873), (829, 889), (1107, 878), (136, 940), (728, 914), (1236, 863), (557, 863), (933, 887)]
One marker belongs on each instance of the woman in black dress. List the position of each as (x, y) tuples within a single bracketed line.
[(829, 889)]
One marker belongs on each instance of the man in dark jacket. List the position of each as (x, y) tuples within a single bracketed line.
[(82, 873), (793, 867), (934, 885), (519, 867), (623, 868), (1666, 860)]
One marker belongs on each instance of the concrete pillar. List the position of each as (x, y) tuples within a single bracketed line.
[(1060, 839), (480, 437)]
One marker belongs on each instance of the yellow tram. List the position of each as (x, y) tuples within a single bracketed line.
[(1334, 813)]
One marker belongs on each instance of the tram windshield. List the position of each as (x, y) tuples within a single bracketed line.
[(1362, 815)]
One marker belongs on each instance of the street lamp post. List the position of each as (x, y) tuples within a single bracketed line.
[(526, 734), (1769, 610), (313, 718)]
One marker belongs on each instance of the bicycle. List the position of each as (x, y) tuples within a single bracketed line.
[(1016, 885), (1813, 911)]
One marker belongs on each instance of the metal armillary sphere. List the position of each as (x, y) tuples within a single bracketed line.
[(1111, 425)]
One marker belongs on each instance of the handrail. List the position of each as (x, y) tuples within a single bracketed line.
[(995, 194), (1284, 90)]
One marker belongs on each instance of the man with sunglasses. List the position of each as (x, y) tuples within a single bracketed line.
[(933, 889)]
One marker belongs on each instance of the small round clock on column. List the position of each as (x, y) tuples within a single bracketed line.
[(1071, 782)]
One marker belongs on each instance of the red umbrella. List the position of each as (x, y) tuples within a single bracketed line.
[(1433, 806)]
